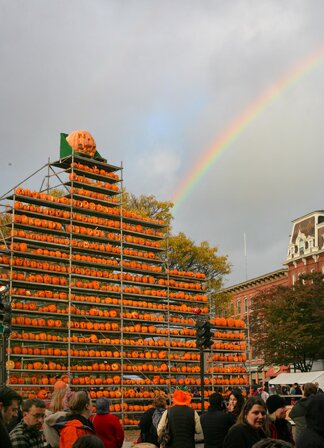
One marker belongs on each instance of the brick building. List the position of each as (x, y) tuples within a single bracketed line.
[(305, 255)]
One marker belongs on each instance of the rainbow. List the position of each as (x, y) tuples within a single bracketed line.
[(241, 122)]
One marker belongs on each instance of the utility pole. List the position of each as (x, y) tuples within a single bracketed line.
[(5, 327), (203, 341)]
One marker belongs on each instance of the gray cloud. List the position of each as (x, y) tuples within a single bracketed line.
[(156, 82)]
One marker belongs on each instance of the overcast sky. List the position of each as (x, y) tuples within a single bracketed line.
[(156, 82)]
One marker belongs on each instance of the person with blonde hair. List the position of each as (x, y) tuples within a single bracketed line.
[(76, 423), (57, 409)]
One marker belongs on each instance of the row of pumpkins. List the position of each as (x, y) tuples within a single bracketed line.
[(145, 362)]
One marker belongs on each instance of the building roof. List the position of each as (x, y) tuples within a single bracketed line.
[(308, 215), (257, 280)]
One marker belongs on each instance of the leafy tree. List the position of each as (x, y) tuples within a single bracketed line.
[(183, 253), (5, 218), (57, 192), (149, 206), (287, 323)]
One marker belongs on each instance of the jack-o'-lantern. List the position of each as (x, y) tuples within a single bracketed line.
[(83, 142)]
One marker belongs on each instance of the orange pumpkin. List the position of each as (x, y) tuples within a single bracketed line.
[(83, 142)]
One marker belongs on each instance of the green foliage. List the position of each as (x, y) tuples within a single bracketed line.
[(57, 192), (185, 255), (287, 323), (149, 206), (5, 218)]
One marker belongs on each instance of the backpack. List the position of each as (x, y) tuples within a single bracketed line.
[(156, 417)]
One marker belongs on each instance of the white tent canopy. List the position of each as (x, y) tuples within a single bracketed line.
[(300, 378)]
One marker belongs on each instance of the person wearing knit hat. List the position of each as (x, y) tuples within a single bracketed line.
[(182, 422), (279, 427), (181, 398), (106, 425)]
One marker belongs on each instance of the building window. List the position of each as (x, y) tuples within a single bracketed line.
[(293, 277), (238, 307), (232, 309), (301, 245), (246, 305)]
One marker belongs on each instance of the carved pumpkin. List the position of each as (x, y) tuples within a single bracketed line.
[(42, 394), (83, 142)]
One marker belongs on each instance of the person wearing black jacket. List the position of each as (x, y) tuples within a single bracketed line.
[(182, 422), (279, 427), (313, 435), (215, 422), (298, 412), (147, 427), (250, 426), (9, 408)]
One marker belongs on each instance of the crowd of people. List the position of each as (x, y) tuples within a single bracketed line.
[(259, 421), (235, 422), (68, 422)]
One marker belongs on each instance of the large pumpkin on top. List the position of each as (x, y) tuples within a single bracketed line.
[(83, 142)]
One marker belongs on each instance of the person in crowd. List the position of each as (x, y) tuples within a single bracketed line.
[(254, 391), (27, 434), (150, 419), (215, 422), (272, 390), (285, 390), (106, 425), (15, 420), (235, 403), (182, 422), (295, 389), (250, 426), (272, 443), (298, 412), (313, 435), (76, 423), (58, 408), (279, 427), (263, 393), (88, 442), (319, 390), (9, 408)]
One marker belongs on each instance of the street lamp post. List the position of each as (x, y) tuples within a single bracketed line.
[(5, 327), (203, 341)]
